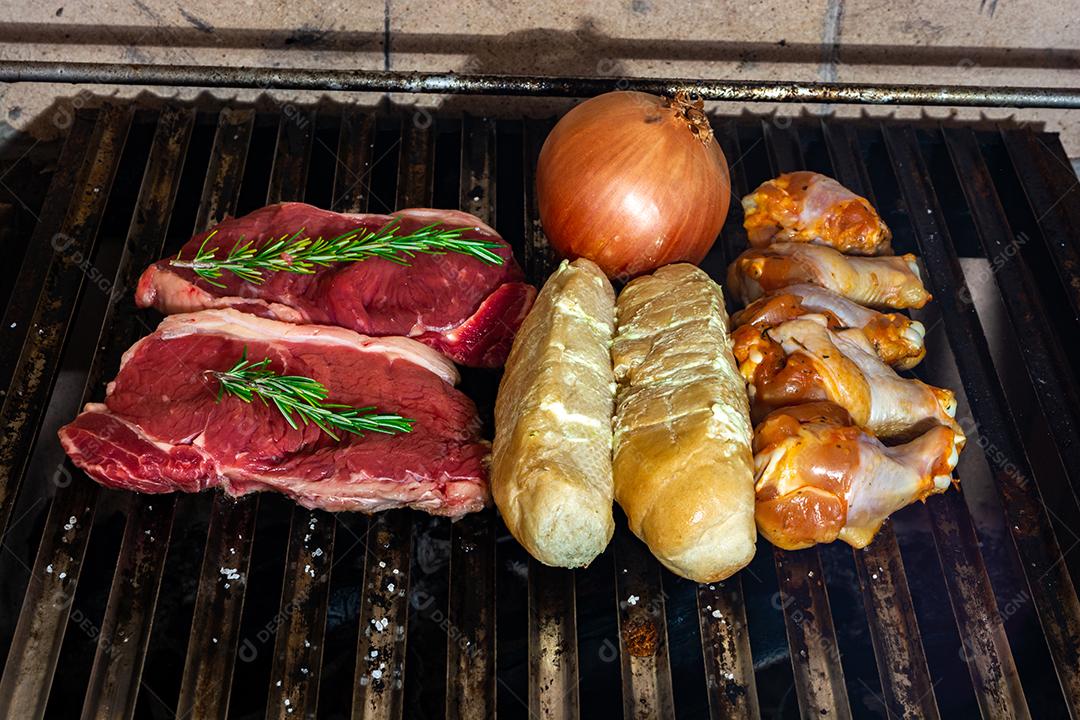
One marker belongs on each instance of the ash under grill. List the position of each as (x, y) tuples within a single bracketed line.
[(117, 605)]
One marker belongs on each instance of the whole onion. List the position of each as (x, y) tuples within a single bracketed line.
[(633, 181)]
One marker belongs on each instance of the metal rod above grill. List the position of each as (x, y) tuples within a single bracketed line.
[(453, 84)]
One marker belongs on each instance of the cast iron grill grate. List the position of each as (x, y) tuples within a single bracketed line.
[(117, 605)]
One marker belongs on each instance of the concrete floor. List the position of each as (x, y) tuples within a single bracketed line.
[(974, 42)]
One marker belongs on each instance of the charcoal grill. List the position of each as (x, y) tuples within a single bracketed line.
[(118, 605)]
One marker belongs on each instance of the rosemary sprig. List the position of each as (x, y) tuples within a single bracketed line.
[(300, 253), (303, 396)]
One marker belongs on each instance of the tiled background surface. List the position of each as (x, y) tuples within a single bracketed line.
[(976, 42)]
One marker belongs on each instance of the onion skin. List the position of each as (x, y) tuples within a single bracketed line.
[(632, 182)]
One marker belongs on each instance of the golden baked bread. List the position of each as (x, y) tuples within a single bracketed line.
[(683, 467), (551, 459)]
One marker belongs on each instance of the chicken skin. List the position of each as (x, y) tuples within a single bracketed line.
[(819, 477), (878, 282), (808, 207), (898, 339), (802, 360)]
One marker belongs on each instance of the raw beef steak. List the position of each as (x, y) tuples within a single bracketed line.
[(454, 303), (163, 429)]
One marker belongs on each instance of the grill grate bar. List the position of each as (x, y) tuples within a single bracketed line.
[(115, 678), (985, 649), (553, 660), (352, 163), (815, 656), (301, 616), (725, 640), (125, 632), (52, 285), (470, 659), (379, 679), (207, 674), (643, 643), (1047, 367), (298, 642), (27, 396), (74, 157), (470, 680), (894, 632), (898, 648), (539, 257), (379, 682), (39, 633), (1027, 517), (223, 579), (1041, 177), (553, 657), (134, 595), (287, 180), (819, 681), (221, 190)]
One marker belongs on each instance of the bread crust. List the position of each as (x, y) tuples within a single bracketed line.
[(683, 466), (551, 459)]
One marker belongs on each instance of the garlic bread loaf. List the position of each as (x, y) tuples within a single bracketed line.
[(683, 466), (551, 459)]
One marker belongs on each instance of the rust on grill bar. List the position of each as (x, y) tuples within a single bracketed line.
[(643, 643), (417, 598)]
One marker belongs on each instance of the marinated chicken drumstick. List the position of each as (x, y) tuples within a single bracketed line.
[(808, 207), (819, 477), (803, 361), (897, 338), (878, 282)]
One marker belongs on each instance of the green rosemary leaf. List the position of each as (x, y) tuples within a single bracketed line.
[(302, 399), (303, 254)]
